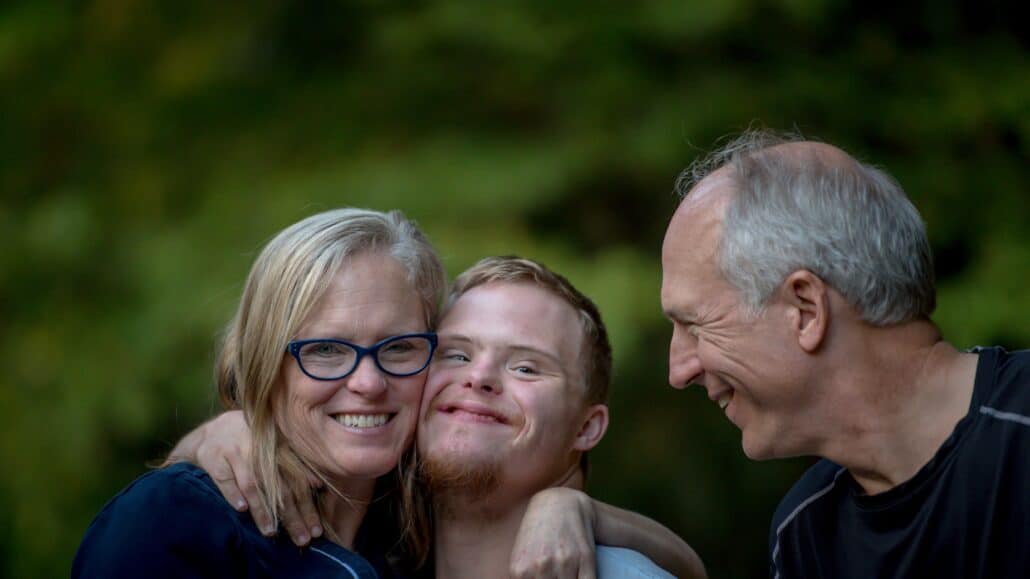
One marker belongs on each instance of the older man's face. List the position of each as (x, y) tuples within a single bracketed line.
[(740, 360)]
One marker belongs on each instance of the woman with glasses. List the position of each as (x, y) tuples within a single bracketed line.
[(326, 358)]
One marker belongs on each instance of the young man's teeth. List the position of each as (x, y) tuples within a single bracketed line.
[(362, 420)]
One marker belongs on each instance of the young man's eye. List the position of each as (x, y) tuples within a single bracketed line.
[(527, 370), (455, 356)]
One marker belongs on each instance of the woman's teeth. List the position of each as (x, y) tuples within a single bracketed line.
[(362, 420)]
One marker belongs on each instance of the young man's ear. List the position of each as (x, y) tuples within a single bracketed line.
[(808, 300), (595, 424)]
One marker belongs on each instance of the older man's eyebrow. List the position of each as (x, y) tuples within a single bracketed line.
[(680, 316)]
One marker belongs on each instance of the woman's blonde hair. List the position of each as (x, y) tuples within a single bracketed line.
[(285, 283)]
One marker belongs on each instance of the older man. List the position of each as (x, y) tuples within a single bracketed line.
[(515, 397), (800, 285)]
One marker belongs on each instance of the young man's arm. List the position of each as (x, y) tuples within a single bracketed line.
[(566, 524), (221, 446)]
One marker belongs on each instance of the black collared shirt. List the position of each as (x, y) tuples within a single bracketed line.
[(965, 514)]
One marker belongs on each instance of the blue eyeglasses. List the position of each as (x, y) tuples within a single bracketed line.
[(325, 359)]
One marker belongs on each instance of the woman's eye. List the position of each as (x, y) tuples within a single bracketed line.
[(326, 349), (398, 347)]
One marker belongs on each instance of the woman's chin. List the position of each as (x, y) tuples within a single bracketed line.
[(363, 465)]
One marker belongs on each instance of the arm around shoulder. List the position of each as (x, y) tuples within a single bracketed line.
[(562, 526), (622, 528)]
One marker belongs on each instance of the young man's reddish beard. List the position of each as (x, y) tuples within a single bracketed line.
[(472, 481)]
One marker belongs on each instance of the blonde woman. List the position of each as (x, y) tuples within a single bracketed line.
[(326, 358)]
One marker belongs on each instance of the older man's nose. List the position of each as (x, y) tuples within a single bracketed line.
[(684, 364)]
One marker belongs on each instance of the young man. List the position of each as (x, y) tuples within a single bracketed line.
[(515, 398), (800, 286)]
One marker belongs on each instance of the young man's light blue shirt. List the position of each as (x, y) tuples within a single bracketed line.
[(614, 562)]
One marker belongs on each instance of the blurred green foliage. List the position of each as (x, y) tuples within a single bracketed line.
[(148, 149)]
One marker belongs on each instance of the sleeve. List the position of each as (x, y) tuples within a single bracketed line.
[(164, 525), (613, 562)]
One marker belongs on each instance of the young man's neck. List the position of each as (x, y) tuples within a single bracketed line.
[(474, 536), (472, 539)]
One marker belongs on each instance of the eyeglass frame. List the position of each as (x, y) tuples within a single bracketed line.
[(294, 346)]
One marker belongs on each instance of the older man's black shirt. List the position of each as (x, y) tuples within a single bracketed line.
[(965, 514)]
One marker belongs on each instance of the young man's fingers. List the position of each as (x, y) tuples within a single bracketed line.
[(231, 492), (220, 471), (587, 569), (309, 514), (248, 487), (293, 522)]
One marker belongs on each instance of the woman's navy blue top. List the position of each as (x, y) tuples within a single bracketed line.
[(174, 522)]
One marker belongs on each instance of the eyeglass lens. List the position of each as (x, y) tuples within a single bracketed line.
[(403, 355)]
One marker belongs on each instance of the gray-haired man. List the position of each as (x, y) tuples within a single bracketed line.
[(800, 286)]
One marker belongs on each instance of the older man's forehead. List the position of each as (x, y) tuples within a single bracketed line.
[(696, 225), (691, 244), (709, 192)]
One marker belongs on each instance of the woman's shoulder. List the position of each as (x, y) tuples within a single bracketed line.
[(163, 520), (181, 492), (173, 522), (180, 480)]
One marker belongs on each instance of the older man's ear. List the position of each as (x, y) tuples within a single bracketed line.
[(808, 299)]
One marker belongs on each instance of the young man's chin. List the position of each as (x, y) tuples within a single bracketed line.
[(469, 478)]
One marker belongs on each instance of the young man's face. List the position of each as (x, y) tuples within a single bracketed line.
[(506, 390)]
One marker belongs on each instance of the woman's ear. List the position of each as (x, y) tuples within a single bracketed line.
[(808, 298), (595, 424)]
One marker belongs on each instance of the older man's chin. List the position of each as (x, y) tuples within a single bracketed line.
[(758, 446)]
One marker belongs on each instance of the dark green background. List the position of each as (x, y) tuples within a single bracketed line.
[(149, 149)]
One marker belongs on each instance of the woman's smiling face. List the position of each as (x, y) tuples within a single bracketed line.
[(356, 427)]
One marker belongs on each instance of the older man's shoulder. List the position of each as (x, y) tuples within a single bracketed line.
[(1002, 382)]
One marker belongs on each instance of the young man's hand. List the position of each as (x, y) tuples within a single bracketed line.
[(222, 447), (556, 538)]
